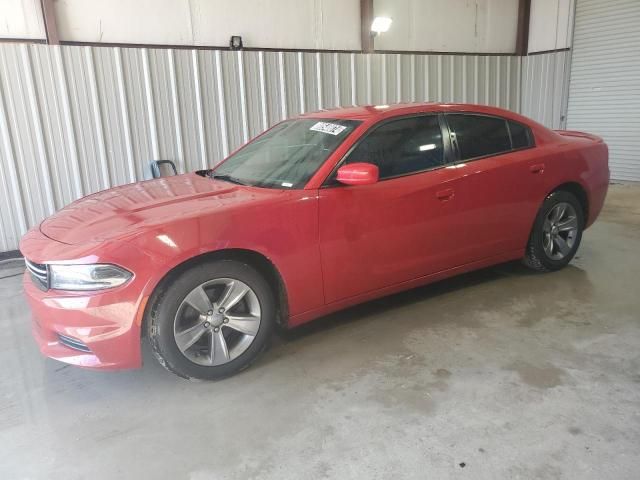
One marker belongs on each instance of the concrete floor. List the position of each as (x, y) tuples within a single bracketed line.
[(495, 374)]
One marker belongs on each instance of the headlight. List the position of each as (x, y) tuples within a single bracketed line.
[(87, 277)]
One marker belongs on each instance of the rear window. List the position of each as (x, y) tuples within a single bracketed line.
[(478, 135), (521, 136), (483, 135)]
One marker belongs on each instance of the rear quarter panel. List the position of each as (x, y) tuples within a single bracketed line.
[(582, 159)]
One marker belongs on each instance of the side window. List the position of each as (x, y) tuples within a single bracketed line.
[(402, 146), (520, 135), (479, 135)]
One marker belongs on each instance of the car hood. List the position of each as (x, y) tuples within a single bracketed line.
[(127, 209)]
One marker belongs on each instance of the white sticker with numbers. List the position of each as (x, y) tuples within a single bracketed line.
[(330, 128)]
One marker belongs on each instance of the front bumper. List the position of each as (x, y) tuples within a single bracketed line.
[(104, 326), (105, 323)]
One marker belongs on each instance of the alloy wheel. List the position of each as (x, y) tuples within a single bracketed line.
[(217, 321), (560, 229)]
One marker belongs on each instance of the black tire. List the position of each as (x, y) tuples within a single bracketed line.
[(166, 301), (536, 257)]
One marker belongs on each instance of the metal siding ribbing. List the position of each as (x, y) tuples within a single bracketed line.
[(544, 88), (75, 120), (604, 93)]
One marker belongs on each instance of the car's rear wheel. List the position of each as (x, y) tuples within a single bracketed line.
[(212, 320), (556, 233)]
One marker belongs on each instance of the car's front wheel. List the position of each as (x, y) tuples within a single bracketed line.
[(556, 233), (212, 320)]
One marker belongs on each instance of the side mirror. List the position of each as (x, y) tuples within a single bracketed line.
[(358, 174)]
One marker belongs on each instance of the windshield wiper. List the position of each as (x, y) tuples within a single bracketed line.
[(226, 178)]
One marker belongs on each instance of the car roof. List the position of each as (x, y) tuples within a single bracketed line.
[(371, 112)]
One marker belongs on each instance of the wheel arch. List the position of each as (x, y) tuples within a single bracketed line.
[(572, 187), (255, 259), (579, 192)]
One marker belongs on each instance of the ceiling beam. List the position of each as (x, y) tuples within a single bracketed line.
[(522, 33), (366, 18), (50, 25)]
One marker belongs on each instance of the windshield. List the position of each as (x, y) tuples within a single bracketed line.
[(287, 155)]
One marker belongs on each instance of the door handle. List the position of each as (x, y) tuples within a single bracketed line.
[(537, 168), (444, 195)]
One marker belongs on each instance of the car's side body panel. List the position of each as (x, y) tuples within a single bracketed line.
[(580, 158), (284, 230), (376, 236), (390, 232), (496, 197), (399, 287)]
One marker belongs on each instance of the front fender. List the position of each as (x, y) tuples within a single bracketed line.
[(286, 234)]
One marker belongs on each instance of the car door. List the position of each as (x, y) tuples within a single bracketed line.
[(401, 227), (501, 175)]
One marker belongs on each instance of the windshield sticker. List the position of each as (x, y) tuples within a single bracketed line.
[(330, 128)]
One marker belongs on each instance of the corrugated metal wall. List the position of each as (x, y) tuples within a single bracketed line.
[(545, 83), (74, 120), (604, 96)]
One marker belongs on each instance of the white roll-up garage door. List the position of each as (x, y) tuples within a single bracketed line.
[(604, 93)]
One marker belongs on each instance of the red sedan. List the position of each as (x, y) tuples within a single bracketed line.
[(320, 212)]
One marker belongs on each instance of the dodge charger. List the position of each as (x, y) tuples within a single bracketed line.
[(316, 214)]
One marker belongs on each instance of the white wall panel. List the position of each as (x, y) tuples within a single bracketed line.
[(550, 24), (480, 26), (75, 120), (21, 19), (125, 21), (311, 24), (545, 83), (308, 24)]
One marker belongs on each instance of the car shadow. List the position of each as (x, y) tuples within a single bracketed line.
[(388, 304)]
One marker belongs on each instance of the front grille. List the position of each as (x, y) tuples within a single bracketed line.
[(73, 343), (39, 274)]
